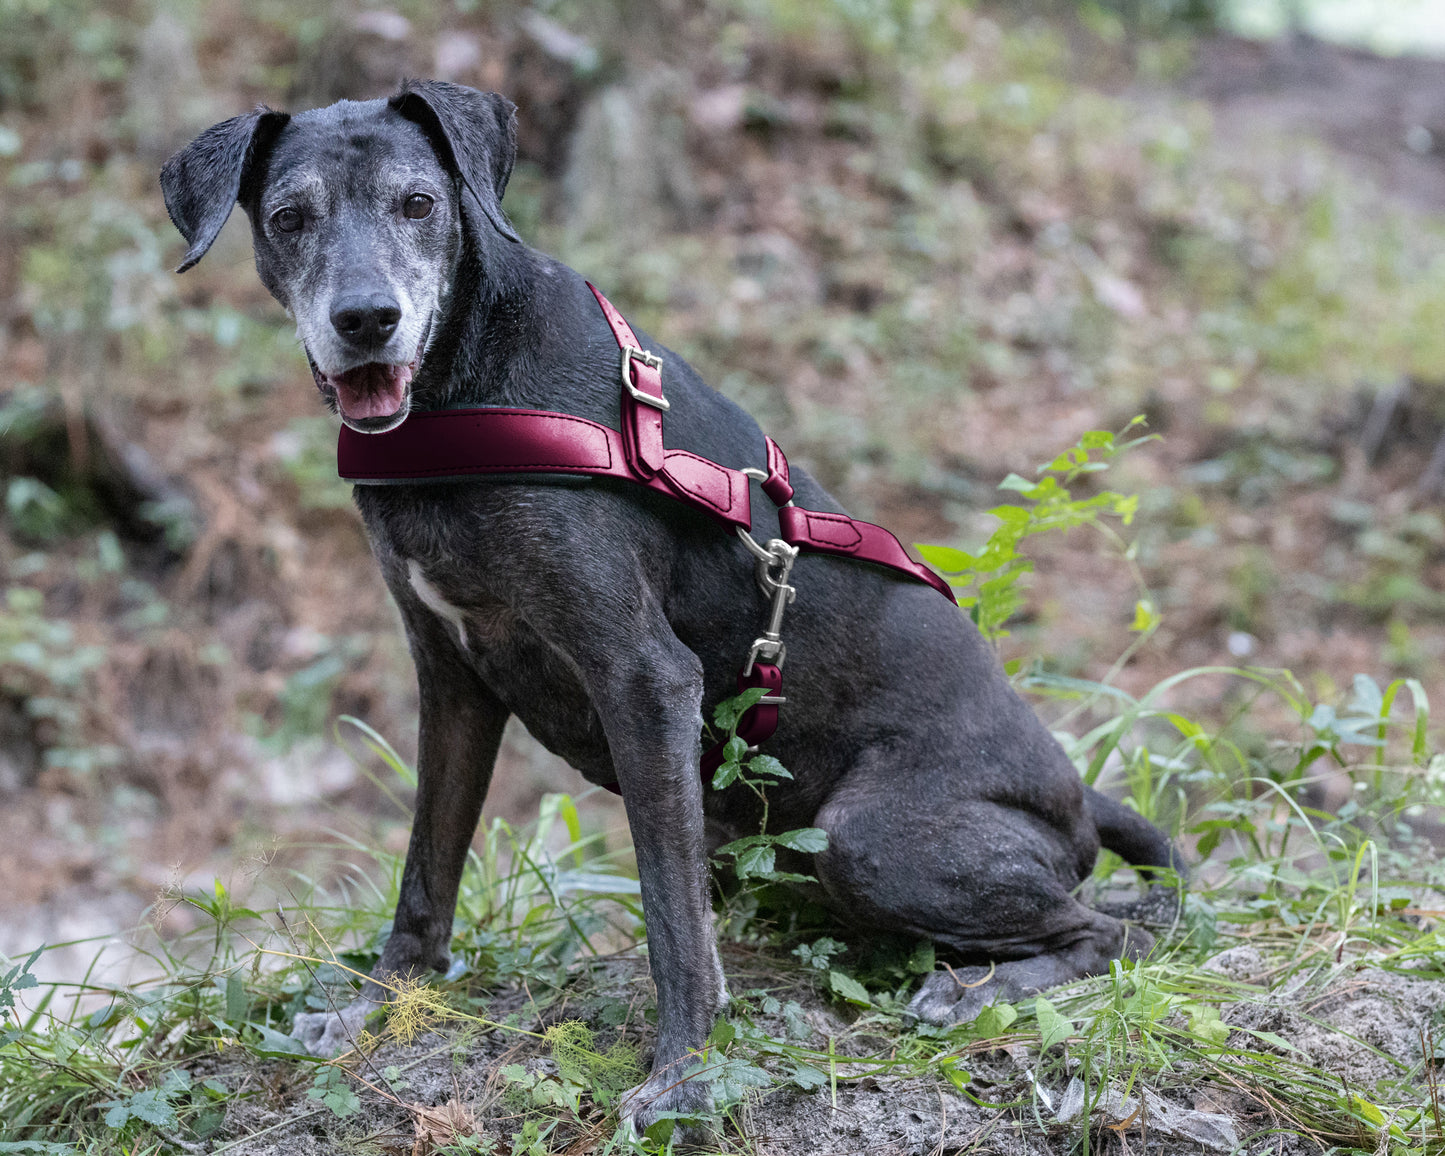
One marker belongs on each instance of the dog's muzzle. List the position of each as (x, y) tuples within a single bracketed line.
[(374, 397)]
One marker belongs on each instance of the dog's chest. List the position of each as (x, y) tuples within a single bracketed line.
[(535, 682), (479, 627)]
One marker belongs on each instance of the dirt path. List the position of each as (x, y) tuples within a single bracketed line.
[(1385, 116)]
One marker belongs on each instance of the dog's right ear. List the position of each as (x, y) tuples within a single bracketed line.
[(203, 181)]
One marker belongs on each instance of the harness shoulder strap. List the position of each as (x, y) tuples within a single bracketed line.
[(642, 400)]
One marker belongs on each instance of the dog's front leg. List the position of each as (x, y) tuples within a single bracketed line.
[(460, 731), (649, 699)]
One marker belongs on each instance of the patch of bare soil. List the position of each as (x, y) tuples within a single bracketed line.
[(1384, 115)]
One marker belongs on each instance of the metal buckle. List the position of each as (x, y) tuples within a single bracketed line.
[(770, 650), (650, 359)]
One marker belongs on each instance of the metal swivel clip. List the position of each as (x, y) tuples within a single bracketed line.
[(774, 565)]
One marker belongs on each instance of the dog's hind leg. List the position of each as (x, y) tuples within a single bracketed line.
[(991, 882), (957, 995), (461, 729)]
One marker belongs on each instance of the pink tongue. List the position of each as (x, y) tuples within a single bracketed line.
[(373, 390)]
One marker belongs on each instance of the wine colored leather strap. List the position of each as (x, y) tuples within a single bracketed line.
[(453, 443), (846, 537), (758, 722)]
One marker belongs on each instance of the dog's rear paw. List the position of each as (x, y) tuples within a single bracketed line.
[(954, 997), (326, 1033), (688, 1099)]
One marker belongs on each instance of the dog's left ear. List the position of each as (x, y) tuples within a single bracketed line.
[(475, 134)]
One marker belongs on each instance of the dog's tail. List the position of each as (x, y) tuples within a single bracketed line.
[(1128, 834)]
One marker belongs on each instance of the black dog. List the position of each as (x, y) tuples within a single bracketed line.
[(605, 616)]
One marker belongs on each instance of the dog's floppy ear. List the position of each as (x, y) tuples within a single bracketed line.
[(475, 134), (204, 180)]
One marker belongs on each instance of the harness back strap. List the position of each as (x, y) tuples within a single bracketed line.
[(459, 442), (846, 537)]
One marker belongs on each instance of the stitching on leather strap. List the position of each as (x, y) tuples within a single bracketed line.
[(843, 522)]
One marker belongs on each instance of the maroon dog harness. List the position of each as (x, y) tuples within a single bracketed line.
[(456, 442)]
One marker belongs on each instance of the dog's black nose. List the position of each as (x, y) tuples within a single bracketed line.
[(365, 320)]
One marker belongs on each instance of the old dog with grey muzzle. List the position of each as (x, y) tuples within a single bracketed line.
[(605, 615)]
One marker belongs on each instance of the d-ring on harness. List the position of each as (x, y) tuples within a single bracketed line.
[(452, 442)]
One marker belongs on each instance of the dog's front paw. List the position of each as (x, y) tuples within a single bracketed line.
[(665, 1095), (326, 1033), (954, 997)]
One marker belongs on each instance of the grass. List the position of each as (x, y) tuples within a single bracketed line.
[(1318, 895)]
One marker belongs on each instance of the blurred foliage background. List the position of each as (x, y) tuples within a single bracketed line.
[(926, 242)]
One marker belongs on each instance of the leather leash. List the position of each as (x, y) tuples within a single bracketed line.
[(455, 442)]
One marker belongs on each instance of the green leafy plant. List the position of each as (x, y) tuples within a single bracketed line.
[(333, 1089), (18, 978), (988, 580), (154, 1106), (754, 857)]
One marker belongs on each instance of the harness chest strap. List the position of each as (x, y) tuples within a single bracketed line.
[(452, 443)]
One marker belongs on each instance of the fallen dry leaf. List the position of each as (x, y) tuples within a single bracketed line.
[(441, 1126)]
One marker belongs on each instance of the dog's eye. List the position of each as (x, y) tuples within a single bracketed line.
[(287, 220), (417, 207)]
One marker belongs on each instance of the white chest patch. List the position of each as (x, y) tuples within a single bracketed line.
[(431, 598)]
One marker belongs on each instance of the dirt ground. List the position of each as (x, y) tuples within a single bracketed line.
[(1360, 1025), (1386, 115)]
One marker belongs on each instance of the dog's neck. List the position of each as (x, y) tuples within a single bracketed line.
[(487, 332)]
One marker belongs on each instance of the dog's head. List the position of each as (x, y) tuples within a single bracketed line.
[(358, 215)]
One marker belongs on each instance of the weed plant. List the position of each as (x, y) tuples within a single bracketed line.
[(543, 914)]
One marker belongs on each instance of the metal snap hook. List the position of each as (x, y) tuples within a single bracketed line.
[(780, 556)]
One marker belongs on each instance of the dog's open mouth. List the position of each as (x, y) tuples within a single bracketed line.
[(373, 390), (374, 397)]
